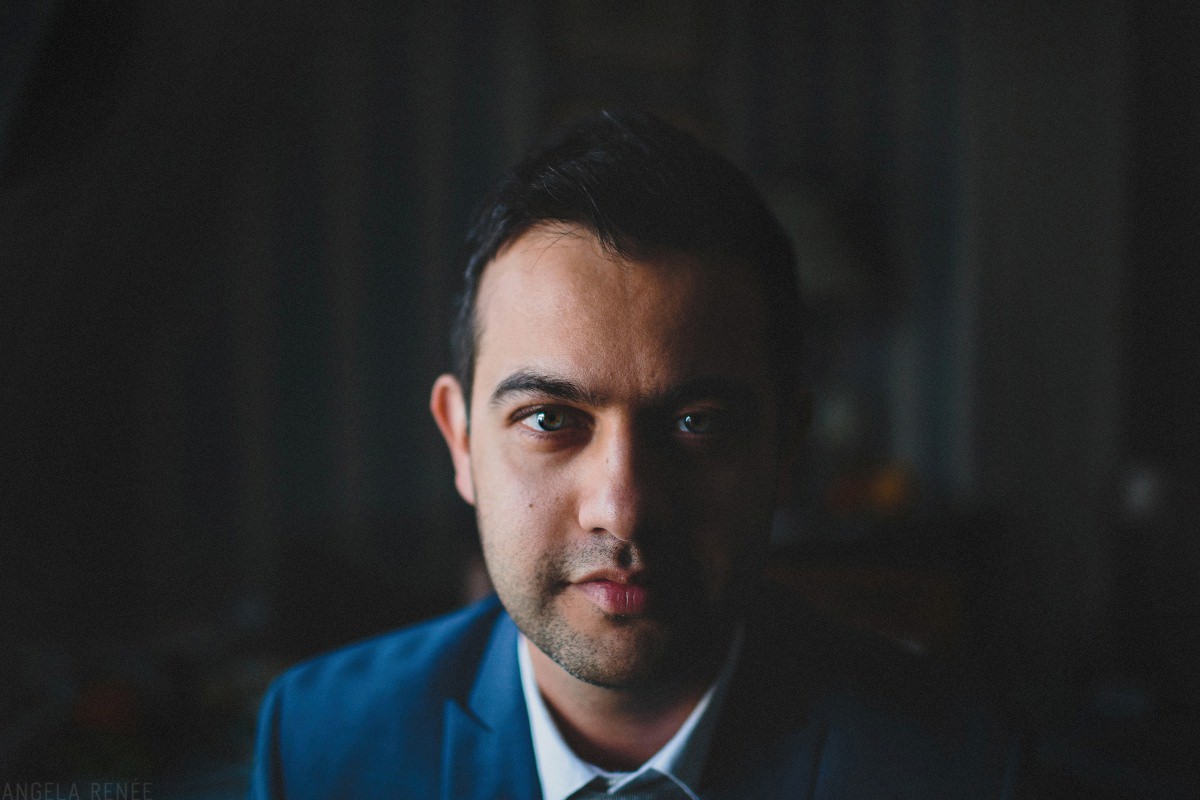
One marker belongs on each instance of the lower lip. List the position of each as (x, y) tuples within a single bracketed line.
[(616, 598)]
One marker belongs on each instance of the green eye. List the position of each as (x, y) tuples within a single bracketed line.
[(699, 422), (548, 420)]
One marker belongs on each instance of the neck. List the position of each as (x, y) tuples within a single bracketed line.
[(615, 729)]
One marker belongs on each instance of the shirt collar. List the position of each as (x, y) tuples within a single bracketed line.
[(562, 773)]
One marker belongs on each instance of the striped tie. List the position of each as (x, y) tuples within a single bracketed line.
[(660, 788)]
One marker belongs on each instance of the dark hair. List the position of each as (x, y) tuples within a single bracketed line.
[(642, 187)]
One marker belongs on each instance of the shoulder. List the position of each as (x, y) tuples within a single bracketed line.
[(360, 719), (790, 643), (884, 715), (431, 655)]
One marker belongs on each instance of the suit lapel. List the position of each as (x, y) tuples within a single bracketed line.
[(487, 749), (770, 738), (785, 768), (755, 753)]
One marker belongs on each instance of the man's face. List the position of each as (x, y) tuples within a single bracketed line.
[(622, 454)]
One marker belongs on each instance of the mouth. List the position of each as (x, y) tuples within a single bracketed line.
[(616, 593)]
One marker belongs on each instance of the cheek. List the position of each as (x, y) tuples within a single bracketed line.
[(523, 486), (522, 512)]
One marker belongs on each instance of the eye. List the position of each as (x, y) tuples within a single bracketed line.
[(698, 422), (548, 420)]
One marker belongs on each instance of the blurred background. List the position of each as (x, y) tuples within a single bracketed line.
[(229, 242)]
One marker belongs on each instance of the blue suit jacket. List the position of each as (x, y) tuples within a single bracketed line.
[(437, 711)]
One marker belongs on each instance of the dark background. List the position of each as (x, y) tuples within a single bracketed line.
[(229, 236)]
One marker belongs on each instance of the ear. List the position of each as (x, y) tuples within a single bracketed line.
[(449, 409)]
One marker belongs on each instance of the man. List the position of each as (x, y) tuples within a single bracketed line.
[(626, 405)]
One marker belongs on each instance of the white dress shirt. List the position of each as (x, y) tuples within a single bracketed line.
[(563, 773)]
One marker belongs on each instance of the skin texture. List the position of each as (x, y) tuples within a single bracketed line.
[(623, 426)]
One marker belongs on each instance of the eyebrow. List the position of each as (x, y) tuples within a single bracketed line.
[(527, 382)]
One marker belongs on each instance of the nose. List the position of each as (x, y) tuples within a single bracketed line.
[(618, 492)]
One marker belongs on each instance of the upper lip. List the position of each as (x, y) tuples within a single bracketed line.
[(638, 577)]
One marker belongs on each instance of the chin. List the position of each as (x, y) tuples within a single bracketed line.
[(617, 680), (639, 672), (636, 655)]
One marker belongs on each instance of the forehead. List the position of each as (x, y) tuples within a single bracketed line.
[(555, 301)]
